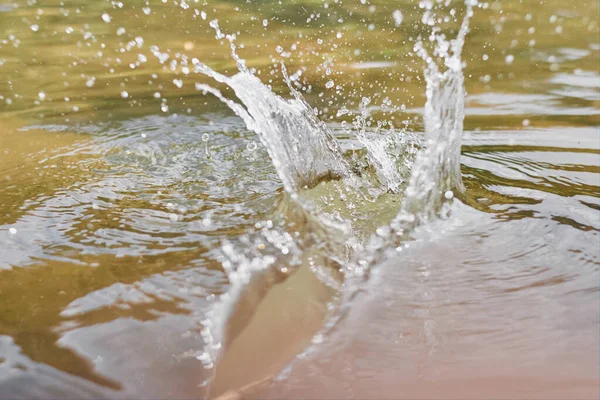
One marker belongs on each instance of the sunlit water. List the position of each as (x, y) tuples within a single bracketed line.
[(154, 244)]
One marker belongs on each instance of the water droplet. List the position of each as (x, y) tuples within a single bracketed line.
[(265, 22), (90, 82), (329, 84), (164, 108), (121, 31), (12, 231), (146, 10), (205, 137), (124, 94), (106, 18), (398, 17), (449, 195), (42, 96), (178, 83), (509, 59), (526, 122), (173, 217), (69, 30), (35, 27)]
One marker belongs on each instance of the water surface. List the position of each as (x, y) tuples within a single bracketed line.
[(121, 183)]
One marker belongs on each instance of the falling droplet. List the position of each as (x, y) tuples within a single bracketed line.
[(398, 17), (106, 18)]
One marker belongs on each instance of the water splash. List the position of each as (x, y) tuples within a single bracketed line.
[(306, 154), (436, 171), (303, 150)]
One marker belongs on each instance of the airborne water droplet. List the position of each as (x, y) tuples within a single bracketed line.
[(106, 18), (398, 17)]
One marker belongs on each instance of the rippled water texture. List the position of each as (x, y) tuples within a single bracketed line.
[(153, 244)]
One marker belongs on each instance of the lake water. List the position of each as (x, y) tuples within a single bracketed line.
[(128, 198)]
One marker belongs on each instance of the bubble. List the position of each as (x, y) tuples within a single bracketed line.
[(106, 18), (329, 84), (205, 137), (251, 146), (449, 195)]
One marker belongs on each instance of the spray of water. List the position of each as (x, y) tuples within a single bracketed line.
[(306, 155), (436, 171)]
